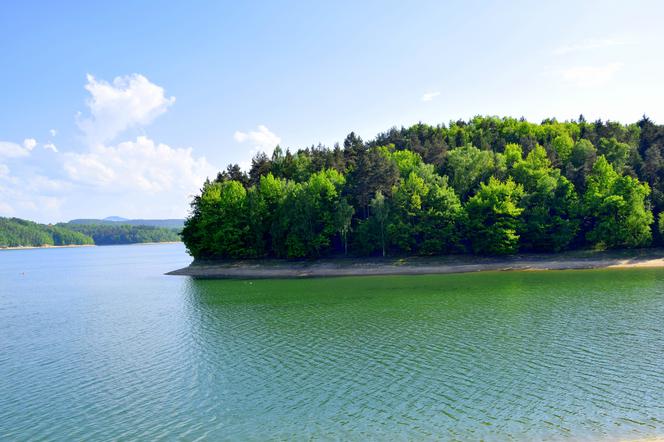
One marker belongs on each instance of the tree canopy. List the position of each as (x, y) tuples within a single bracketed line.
[(489, 186)]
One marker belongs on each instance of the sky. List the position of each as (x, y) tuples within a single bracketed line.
[(124, 108)]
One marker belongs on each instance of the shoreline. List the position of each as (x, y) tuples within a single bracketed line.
[(46, 246), (85, 245), (285, 269)]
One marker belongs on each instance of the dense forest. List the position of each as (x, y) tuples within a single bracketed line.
[(487, 186), (119, 233), (15, 232), (177, 224)]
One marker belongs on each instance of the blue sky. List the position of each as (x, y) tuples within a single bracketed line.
[(123, 108)]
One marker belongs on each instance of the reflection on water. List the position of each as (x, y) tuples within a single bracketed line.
[(97, 344)]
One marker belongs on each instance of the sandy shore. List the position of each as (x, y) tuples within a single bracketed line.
[(254, 269)]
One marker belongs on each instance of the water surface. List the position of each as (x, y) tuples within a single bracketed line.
[(96, 344)]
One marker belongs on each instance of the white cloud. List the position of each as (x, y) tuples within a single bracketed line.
[(590, 75), (12, 150), (137, 178), (21, 197), (140, 166), (41, 184), (127, 102), (587, 45), (261, 140), (29, 143), (51, 146), (428, 96)]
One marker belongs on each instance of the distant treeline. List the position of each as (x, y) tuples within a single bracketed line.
[(15, 232), (118, 233), (489, 186), (167, 223)]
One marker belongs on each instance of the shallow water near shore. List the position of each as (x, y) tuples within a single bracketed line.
[(97, 344)]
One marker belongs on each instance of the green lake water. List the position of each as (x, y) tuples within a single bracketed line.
[(97, 344)]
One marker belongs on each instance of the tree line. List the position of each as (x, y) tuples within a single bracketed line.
[(487, 186), (118, 233), (16, 232)]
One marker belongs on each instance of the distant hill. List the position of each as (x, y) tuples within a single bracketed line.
[(113, 232), (15, 232), (114, 220)]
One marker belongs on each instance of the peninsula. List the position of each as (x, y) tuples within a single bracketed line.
[(485, 194)]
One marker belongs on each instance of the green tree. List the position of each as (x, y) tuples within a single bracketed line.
[(217, 227), (372, 172), (550, 215), (467, 167), (426, 211), (616, 209), (380, 211), (494, 217), (343, 219), (615, 152), (580, 163), (306, 220), (562, 145)]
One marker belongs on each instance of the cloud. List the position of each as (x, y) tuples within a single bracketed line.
[(12, 150), (590, 76), (587, 45), (134, 176), (139, 166), (428, 96), (29, 143), (129, 101), (261, 140), (44, 184), (31, 197)]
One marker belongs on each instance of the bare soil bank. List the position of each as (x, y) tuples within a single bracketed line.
[(254, 269)]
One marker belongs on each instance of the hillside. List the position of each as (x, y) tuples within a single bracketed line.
[(114, 220), (15, 232), (121, 233)]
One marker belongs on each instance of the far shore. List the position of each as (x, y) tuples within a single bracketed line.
[(265, 269), (47, 246)]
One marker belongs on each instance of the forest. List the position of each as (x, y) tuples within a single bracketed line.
[(15, 232), (488, 186), (119, 233)]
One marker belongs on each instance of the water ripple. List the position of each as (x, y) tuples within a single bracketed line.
[(120, 353)]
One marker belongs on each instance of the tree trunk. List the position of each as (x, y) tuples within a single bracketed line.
[(345, 244)]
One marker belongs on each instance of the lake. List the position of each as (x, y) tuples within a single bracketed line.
[(97, 344)]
